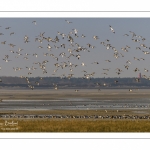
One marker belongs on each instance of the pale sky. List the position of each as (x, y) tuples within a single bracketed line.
[(87, 26)]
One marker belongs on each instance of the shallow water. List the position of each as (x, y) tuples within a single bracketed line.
[(74, 104)]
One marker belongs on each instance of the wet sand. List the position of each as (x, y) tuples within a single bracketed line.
[(92, 101), (51, 94)]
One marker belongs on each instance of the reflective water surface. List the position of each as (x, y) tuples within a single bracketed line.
[(74, 104)]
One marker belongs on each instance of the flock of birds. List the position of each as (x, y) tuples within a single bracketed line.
[(71, 49), (123, 116)]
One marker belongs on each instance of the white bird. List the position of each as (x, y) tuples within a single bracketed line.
[(11, 45), (83, 64), (63, 35), (35, 55), (108, 60), (32, 68), (26, 58), (142, 58), (138, 48), (112, 29), (55, 86), (126, 66), (62, 45), (55, 70), (97, 83), (135, 40), (3, 42), (6, 60), (18, 53), (27, 54), (146, 70), (12, 51), (40, 47), (49, 47), (20, 49), (75, 31), (62, 54), (28, 68), (104, 84), (136, 59), (146, 52), (95, 37), (76, 90), (78, 56), (37, 83), (19, 68), (31, 87), (68, 21), (15, 69), (137, 80), (128, 61), (83, 36), (34, 22)]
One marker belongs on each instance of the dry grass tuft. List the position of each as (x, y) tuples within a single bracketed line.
[(80, 125)]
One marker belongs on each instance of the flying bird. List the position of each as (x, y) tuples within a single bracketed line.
[(95, 37), (34, 22), (111, 29), (68, 21)]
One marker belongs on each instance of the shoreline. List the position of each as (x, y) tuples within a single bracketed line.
[(71, 95), (46, 94)]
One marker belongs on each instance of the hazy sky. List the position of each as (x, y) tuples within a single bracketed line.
[(87, 26)]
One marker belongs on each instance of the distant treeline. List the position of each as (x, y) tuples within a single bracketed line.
[(48, 82)]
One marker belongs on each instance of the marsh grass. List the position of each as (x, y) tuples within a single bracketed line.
[(80, 125)]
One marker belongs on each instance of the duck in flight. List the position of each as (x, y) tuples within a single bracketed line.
[(34, 22), (111, 29), (68, 21)]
